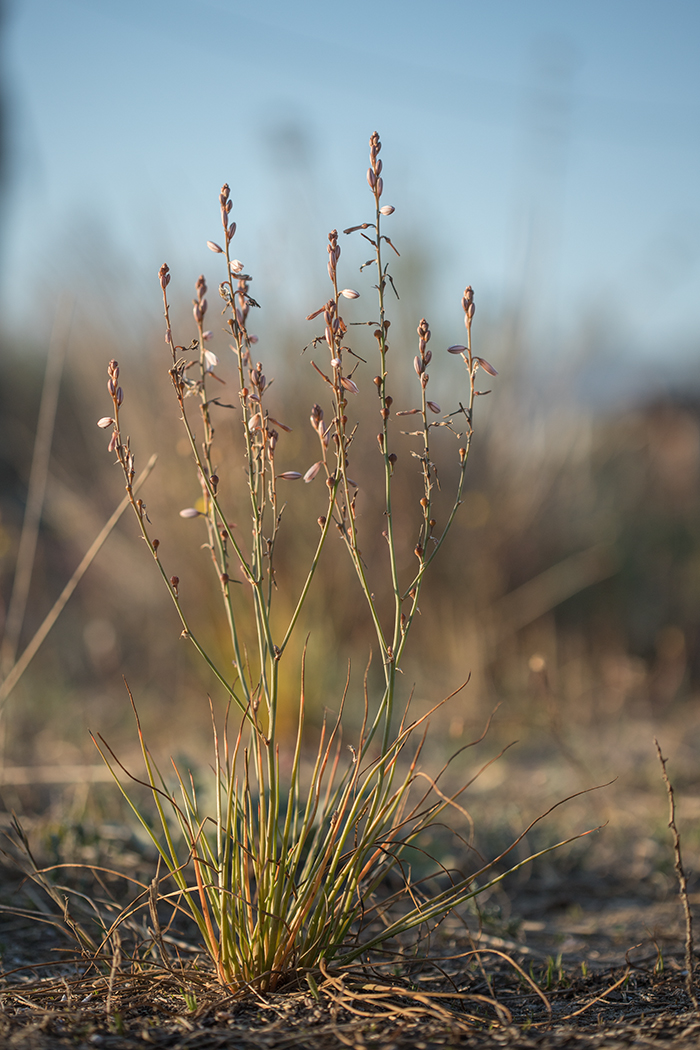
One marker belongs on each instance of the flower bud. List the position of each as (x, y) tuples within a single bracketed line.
[(387, 209), (105, 422), (349, 293), (433, 406), (312, 472), (457, 349), (290, 475), (349, 384), (214, 247), (189, 512), (371, 178), (486, 366)]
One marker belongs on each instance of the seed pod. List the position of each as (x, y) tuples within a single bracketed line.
[(392, 457)]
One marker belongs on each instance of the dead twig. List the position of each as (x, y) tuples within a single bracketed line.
[(682, 880)]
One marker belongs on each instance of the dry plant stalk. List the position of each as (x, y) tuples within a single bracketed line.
[(682, 880), (292, 877)]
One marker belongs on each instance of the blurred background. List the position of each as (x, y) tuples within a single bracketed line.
[(546, 153)]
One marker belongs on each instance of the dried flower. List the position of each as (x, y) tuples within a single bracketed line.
[(236, 266), (210, 358)]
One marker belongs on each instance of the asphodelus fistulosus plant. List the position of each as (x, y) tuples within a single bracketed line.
[(288, 874)]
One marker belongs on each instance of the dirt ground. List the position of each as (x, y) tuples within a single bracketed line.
[(604, 960), (585, 948)]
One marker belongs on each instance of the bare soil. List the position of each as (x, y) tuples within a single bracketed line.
[(604, 959)]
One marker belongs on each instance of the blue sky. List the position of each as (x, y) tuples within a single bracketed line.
[(579, 121)]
